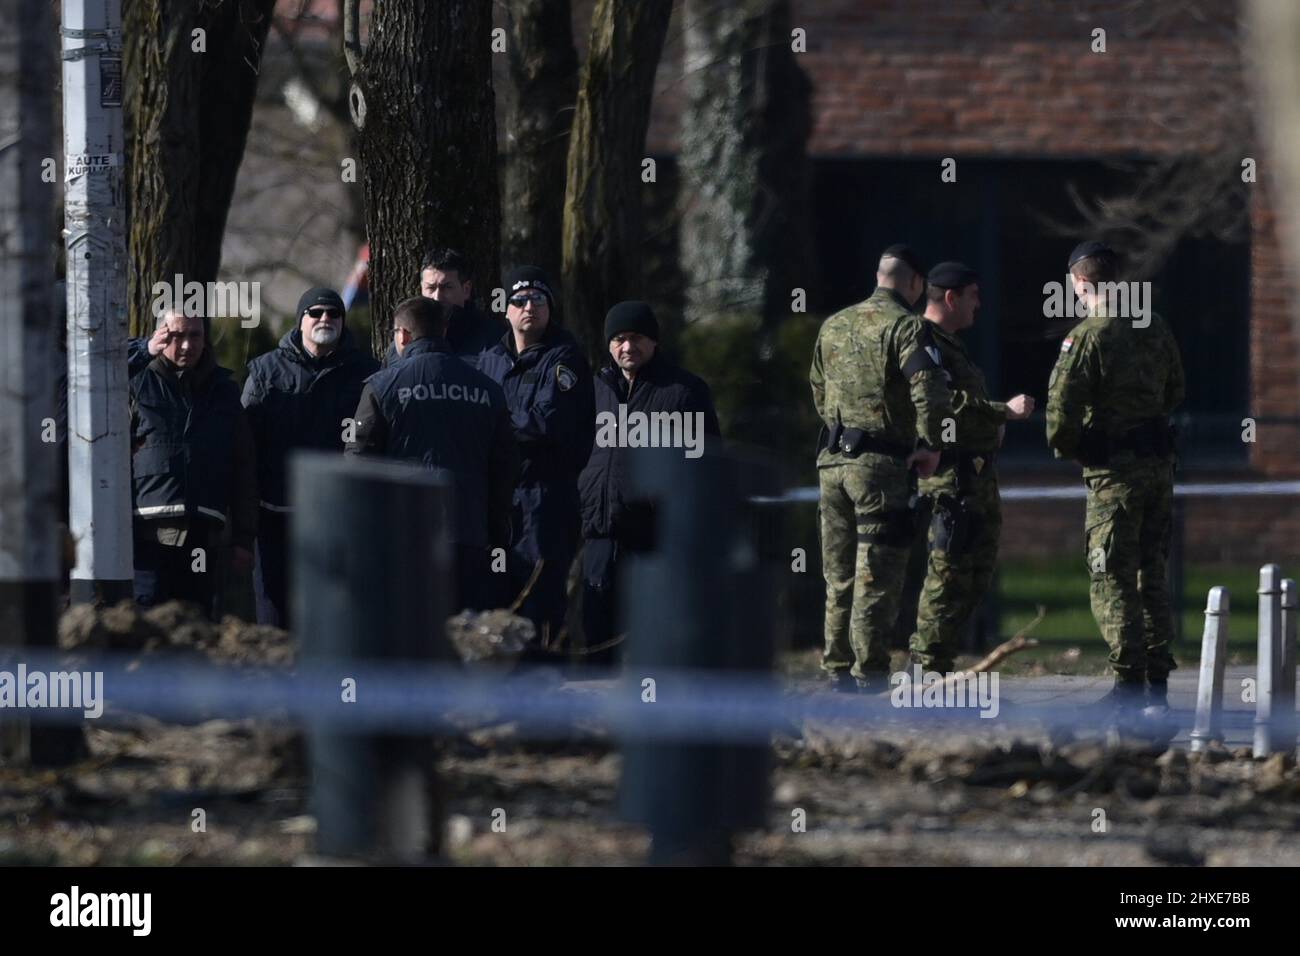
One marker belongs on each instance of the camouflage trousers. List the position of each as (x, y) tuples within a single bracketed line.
[(861, 518), (957, 580), (1127, 545)]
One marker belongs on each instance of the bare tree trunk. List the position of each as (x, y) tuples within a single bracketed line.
[(1273, 49), (543, 87), (744, 234), (29, 554), (188, 113), (423, 106), (602, 200)]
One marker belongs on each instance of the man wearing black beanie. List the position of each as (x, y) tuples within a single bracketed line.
[(298, 395), (547, 382), (641, 378)]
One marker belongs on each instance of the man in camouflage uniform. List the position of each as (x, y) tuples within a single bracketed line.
[(875, 388), (964, 489), (1114, 385)]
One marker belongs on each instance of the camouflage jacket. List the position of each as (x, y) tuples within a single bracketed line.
[(977, 416), (857, 375), (1110, 376)]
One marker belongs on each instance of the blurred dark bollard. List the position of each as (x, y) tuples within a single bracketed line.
[(371, 580), (701, 598)]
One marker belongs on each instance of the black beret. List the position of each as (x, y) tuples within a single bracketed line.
[(952, 275), (903, 251), (521, 278), (631, 317), (320, 296), (1091, 248)]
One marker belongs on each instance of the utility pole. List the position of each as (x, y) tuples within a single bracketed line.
[(29, 439), (99, 464)]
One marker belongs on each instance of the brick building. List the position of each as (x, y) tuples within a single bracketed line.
[(1015, 93)]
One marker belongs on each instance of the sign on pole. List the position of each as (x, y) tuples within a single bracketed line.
[(99, 464)]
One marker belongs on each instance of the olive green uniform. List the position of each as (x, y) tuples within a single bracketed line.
[(1110, 397), (875, 388), (968, 515)]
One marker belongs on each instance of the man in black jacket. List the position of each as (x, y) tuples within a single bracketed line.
[(433, 409), (192, 461), (299, 395), (645, 382), (445, 277)]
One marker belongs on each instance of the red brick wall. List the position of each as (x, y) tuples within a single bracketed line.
[(1017, 78), (894, 77), (1275, 371), (1241, 531)]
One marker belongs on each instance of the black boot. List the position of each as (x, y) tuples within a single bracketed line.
[(1158, 695), (841, 681), (1122, 703), (1161, 726), (874, 683)]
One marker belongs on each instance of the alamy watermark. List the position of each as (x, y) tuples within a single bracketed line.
[(651, 430), (1125, 300), (76, 909), (23, 689), (213, 300), (931, 689)]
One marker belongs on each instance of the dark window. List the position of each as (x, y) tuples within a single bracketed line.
[(995, 218)]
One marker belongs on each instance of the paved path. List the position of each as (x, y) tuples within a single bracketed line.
[(1066, 696), (1238, 717)]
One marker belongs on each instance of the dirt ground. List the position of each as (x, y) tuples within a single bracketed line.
[(235, 792)]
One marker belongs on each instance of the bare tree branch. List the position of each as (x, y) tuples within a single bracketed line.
[(352, 36)]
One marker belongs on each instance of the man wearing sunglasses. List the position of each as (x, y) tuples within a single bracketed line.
[(548, 388), (300, 395)]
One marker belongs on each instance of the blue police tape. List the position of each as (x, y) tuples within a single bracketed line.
[(407, 699), (1235, 489)]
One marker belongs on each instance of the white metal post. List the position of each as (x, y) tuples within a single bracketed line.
[(1285, 700), (1209, 691), (1267, 666), (99, 462)]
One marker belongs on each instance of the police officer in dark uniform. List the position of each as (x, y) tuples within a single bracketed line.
[(298, 395), (433, 409), (549, 389)]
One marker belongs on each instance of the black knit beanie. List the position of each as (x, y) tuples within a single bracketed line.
[(522, 278), (631, 316), (319, 296)]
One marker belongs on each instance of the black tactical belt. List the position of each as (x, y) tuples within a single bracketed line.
[(852, 442), (1150, 438)]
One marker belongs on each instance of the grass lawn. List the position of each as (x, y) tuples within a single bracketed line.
[(1062, 587)]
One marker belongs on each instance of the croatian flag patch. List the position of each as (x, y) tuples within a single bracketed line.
[(1065, 346)]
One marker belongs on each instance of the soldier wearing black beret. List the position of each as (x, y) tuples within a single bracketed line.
[(967, 516)]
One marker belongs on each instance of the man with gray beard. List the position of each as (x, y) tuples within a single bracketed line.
[(298, 396)]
